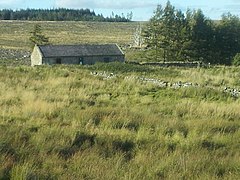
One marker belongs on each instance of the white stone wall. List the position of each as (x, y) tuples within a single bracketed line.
[(36, 57)]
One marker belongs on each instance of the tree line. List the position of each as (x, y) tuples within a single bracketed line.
[(176, 36), (61, 14)]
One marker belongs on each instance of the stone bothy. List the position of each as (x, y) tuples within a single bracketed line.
[(76, 54)]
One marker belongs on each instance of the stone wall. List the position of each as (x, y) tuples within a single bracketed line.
[(170, 64)]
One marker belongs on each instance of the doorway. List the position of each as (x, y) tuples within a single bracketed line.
[(81, 60), (58, 61)]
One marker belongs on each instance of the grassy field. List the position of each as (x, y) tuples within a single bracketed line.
[(15, 34), (111, 121)]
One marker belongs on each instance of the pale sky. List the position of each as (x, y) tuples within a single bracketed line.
[(142, 9)]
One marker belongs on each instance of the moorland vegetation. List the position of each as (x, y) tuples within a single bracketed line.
[(121, 121), (107, 121)]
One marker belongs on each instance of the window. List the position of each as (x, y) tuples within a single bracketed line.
[(59, 61), (106, 59)]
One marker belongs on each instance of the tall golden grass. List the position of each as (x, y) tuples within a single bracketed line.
[(61, 122)]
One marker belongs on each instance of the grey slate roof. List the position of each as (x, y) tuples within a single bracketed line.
[(80, 50)]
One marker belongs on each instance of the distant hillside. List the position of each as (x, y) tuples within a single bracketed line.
[(15, 34), (60, 14)]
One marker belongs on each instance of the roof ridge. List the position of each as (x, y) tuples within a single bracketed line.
[(79, 44)]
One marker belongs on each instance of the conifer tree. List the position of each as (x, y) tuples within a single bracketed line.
[(161, 35), (153, 33), (201, 37), (228, 38), (37, 36), (192, 37), (168, 31)]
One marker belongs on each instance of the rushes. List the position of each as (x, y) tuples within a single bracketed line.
[(61, 122)]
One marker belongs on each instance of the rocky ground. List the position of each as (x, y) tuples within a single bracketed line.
[(14, 57)]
